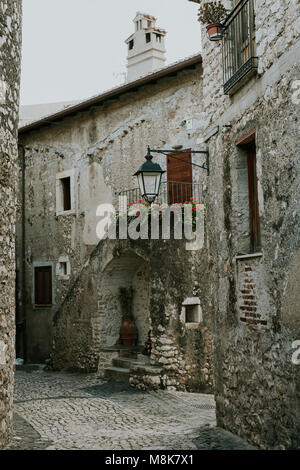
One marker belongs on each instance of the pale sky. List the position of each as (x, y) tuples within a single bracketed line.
[(74, 49)]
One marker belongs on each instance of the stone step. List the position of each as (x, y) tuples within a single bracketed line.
[(128, 353), (117, 373), (124, 362)]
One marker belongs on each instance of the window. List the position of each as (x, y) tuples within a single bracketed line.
[(131, 44), (65, 202), (158, 38), (43, 286), (66, 193), (247, 144), (239, 46), (63, 268), (148, 37), (191, 312), (137, 25), (149, 24)]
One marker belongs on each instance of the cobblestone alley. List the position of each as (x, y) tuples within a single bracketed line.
[(75, 411)]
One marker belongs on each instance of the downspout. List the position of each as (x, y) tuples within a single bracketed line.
[(21, 322)]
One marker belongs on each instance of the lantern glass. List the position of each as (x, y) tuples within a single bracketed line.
[(149, 183)]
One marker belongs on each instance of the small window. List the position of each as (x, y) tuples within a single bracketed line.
[(158, 38), (137, 25), (191, 314), (43, 286), (63, 269), (131, 44), (148, 37), (66, 193), (149, 24), (141, 24)]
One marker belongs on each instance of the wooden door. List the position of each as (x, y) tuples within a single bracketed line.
[(43, 286), (180, 177)]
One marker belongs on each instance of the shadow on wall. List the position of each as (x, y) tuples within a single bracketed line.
[(291, 302)]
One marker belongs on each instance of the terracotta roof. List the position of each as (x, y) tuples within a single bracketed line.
[(157, 30), (149, 17), (114, 93)]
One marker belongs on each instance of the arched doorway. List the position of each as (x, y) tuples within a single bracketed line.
[(127, 273)]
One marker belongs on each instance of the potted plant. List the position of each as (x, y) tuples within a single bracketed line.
[(212, 14), (128, 330)]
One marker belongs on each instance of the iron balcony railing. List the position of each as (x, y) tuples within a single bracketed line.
[(171, 192), (239, 45)]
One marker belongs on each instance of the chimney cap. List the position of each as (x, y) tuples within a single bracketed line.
[(145, 15)]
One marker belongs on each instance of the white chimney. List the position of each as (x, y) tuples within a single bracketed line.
[(146, 47)]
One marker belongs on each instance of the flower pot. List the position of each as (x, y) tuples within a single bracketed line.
[(128, 332), (214, 31)]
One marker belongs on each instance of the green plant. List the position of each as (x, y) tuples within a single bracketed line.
[(212, 12), (135, 210)]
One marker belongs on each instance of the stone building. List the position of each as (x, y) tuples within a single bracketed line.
[(10, 42), (70, 288), (251, 110), (240, 99)]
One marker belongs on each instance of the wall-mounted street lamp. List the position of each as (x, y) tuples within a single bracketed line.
[(149, 174)]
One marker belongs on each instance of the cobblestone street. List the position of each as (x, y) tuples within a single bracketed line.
[(75, 411)]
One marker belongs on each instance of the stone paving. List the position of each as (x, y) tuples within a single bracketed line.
[(74, 411)]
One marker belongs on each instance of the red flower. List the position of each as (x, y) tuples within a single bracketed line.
[(138, 214), (186, 202)]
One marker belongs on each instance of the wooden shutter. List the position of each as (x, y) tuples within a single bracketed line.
[(180, 177), (43, 286), (247, 142), (253, 199)]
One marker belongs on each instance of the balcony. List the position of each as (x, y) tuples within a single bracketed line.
[(171, 192), (239, 46)]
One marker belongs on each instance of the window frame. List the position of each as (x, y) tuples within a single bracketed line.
[(66, 276), (248, 144), (60, 195)]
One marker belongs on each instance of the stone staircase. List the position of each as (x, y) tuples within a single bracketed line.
[(121, 365)]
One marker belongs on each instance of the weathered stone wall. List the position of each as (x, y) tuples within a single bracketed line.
[(182, 356), (10, 42), (257, 385), (104, 146)]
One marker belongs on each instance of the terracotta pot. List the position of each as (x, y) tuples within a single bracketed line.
[(214, 31), (128, 332)]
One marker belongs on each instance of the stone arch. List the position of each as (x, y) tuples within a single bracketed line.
[(126, 270)]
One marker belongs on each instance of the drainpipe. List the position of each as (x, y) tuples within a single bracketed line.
[(21, 322)]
